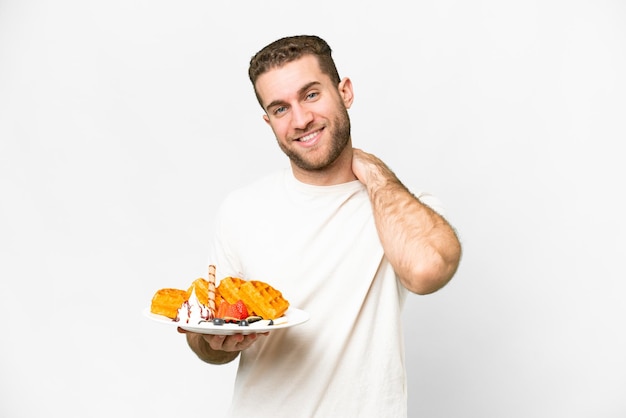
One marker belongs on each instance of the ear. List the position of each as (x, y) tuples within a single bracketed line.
[(346, 92), (266, 118)]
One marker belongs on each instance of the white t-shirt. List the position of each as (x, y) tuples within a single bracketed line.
[(319, 247)]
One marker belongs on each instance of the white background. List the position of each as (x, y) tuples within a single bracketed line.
[(124, 123)]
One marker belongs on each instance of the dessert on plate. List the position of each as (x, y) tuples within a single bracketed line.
[(203, 299)]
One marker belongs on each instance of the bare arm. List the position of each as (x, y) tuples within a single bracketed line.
[(420, 244), (219, 349)]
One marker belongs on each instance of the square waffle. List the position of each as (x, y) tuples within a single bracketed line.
[(228, 290), (201, 286), (167, 301), (263, 299)]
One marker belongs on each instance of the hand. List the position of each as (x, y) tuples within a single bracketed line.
[(228, 343), (369, 169)]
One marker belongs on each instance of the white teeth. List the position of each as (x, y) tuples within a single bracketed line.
[(308, 137)]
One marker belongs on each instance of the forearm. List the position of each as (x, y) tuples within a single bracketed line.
[(203, 350), (419, 243)]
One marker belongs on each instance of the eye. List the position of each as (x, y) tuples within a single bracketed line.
[(312, 95), (279, 110)]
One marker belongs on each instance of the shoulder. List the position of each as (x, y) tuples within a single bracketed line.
[(246, 198), (424, 195), (431, 201), (257, 188)]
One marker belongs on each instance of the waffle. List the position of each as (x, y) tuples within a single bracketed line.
[(201, 286), (263, 300), (167, 301), (228, 290), (260, 298)]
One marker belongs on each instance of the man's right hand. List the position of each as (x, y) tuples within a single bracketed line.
[(220, 349)]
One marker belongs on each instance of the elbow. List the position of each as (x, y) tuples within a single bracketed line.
[(433, 274), (427, 282)]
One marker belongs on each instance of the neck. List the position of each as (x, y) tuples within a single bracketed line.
[(338, 172)]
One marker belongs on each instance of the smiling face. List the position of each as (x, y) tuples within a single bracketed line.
[(308, 115)]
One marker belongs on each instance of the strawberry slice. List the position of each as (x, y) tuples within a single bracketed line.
[(234, 312), (237, 310), (242, 309), (223, 309)]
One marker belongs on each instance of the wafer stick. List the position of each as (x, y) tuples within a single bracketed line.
[(211, 302)]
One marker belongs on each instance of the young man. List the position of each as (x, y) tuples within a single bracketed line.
[(340, 236)]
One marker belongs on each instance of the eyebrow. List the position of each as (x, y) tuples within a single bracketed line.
[(301, 91)]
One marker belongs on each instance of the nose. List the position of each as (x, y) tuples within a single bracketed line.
[(301, 117)]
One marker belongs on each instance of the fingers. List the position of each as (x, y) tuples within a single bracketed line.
[(237, 342)]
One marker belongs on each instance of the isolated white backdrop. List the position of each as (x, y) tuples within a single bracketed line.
[(123, 123)]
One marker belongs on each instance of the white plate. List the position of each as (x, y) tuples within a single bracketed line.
[(291, 318)]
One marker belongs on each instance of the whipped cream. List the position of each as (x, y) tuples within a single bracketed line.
[(193, 311)]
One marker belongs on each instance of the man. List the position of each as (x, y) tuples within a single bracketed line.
[(340, 236)]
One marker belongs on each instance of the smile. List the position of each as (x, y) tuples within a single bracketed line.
[(309, 137)]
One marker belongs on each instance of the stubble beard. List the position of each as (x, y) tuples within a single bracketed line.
[(340, 139)]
